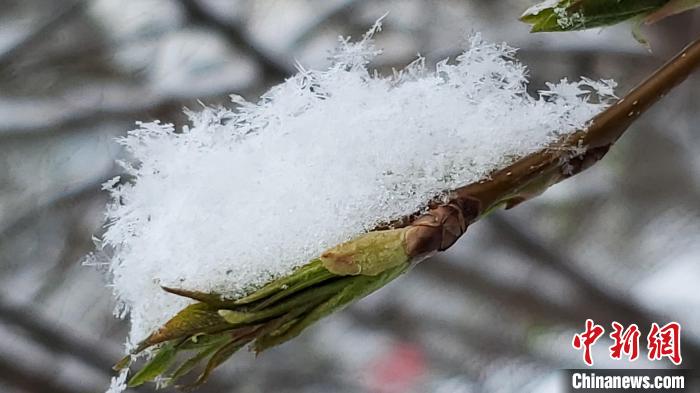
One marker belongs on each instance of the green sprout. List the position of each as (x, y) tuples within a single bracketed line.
[(570, 15), (213, 329)]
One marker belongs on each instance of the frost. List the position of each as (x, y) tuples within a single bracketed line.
[(246, 194)]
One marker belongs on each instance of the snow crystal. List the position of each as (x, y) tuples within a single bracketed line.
[(118, 383), (244, 195)]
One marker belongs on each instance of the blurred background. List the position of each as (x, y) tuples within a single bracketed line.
[(494, 314)]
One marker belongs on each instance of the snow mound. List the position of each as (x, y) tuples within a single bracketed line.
[(245, 195)]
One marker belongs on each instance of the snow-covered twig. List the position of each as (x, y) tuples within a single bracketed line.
[(224, 321)]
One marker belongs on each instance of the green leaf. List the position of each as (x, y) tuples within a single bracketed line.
[(194, 319), (355, 288), (207, 347), (312, 279), (212, 299), (220, 356), (122, 363), (569, 15), (303, 299), (156, 366), (300, 275), (200, 341)]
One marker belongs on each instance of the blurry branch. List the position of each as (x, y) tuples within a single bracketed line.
[(610, 305), (552, 257), (140, 102), (86, 51), (272, 68), (31, 380), (406, 327), (41, 32), (45, 332), (410, 325), (520, 300), (335, 12), (60, 199), (77, 243), (93, 353), (131, 106)]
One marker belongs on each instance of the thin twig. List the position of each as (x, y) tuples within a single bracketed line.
[(517, 299), (22, 219), (138, 103), (95, 354), (40, 32), (603, 131), (32, 380), (90, 51), (272, 68), (410, 325), (45, 332), (531, 175), (77, 242), (334, 12), (551, 257)]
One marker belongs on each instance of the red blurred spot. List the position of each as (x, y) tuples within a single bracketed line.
[(397, 370)]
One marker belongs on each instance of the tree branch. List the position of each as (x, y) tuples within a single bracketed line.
[(22, 219), (533, 174), (272, 67), (56, 20), (334, 12), (45, 332), (509, 185), (515, 298), (31, 380)]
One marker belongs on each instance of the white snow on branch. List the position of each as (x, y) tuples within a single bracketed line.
[(246, 194)]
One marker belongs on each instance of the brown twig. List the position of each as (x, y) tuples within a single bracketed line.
[(532, 174), (446, 222)]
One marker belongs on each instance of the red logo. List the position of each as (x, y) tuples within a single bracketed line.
[(665, 342), (662, 342), (586, 339), (626, 341)]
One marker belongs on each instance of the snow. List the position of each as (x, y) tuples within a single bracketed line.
[(118, 383), (243, 195), (539, 7)]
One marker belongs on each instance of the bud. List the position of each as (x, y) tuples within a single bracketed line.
[(368, 254)]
